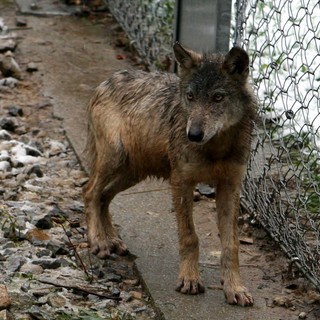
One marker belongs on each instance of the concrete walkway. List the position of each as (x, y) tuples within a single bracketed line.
[(74, 56)]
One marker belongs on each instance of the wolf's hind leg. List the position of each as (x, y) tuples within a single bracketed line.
[(101, 188)]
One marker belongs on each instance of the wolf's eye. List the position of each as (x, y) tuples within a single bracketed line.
[(190, 96), (218, 97)]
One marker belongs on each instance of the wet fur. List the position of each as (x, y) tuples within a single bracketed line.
[(178, 128)]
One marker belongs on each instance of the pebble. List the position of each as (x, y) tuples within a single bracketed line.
[(48, 263), (125, 296), (7, 124), (44, 222), (32, 269), (302, 315), (21, 22), (36, 169), (32, 67), (7, 45), (9, 66), (5, 166), (136, 294), (5, 135), (8, 83), (15, 111), (14, 263), (56, 301)]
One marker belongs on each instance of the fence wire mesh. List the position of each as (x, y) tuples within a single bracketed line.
[(283, 182), (282, 38), (148, 24)]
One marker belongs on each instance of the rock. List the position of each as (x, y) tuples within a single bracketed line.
[(14, 263), (113, 277), (34, 6), (131, 282), (140, 309), (35, 169), (30, 151), (9, 66), (9, 82), (4, 155), (15, 111), (105, 304), (44, 222), (74, 223), (93, 297), (44, 253), (7, 45), (136, 295), (32, 67), (125, 296), (4, 297), (56, 148), (58, 215), (41, 291), (302, 315), (115, 292), (56, 301), (5, 165), (32, 269), (37, 236), (25, 287), (5, 135), (205, 190), (57, 248), (7, 124), (48, 263), (21, 159), (9, 245), (21, 22)]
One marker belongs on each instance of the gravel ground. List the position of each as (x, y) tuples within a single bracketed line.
[(46, 269)]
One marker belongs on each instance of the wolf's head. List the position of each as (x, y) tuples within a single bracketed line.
[(214, 90)]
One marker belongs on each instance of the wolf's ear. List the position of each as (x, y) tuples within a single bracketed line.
[(236, 63), (187, 59)]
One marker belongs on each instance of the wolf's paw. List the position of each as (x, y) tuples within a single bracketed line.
[(238, 295), (103, 248), (187, 286)]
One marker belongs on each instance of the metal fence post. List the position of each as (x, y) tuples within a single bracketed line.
[(204, 24)]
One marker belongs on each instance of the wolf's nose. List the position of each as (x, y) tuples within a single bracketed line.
[(195, 134)]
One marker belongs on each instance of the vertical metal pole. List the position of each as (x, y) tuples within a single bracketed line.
[(223, 26)]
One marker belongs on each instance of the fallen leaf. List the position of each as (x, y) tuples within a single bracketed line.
[(120, 57)]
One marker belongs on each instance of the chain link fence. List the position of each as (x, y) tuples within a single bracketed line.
[(283, 183), (148, 24), (282, 188)]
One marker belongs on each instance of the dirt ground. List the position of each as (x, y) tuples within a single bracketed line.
[(284, 288)]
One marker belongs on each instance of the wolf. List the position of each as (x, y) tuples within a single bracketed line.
[(188, 128)]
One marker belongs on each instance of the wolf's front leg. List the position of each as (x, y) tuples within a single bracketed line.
[(189, 281), (228, 202)]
